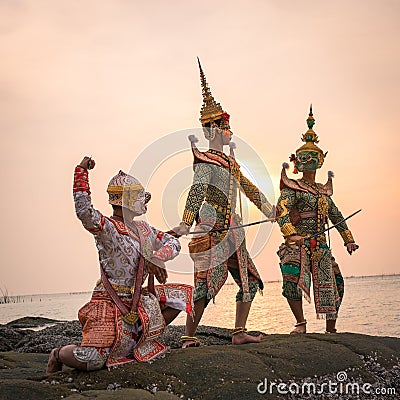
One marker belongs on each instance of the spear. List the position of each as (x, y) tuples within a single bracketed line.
[(329, 228), (232, 227)]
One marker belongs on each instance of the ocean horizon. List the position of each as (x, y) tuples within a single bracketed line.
[(370, 306)]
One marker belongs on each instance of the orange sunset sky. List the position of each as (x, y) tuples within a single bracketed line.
[(110, 78)]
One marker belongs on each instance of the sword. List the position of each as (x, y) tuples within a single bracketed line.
[(329, 228), (232, 227)]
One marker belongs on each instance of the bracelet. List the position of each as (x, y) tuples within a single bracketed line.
[(238, 330), (347, 237), (188, 338), (288, 229)]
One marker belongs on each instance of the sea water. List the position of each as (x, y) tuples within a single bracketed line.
[(371, 305)]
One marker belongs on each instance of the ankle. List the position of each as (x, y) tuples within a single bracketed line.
[(240, 330), (331, 330)]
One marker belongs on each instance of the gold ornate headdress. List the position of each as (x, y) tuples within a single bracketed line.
[(124, 190), (310, 138), (210, 110)]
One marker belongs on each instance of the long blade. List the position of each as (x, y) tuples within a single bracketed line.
[(232, 227), (338, 223)]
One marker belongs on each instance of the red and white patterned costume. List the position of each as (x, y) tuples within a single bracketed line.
[(107, 338)]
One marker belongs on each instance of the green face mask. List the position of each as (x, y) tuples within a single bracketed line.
[(307, 161)]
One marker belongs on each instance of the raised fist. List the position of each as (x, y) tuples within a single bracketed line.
[(87, 163)]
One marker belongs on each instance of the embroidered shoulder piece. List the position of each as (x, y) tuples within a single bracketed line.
[(329, 184), (210, 157), (286, 182), (122, 228), (295, 184), (219, 157)]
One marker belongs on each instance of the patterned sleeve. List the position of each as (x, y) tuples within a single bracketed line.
[(256, 196), (286, 202), (336, 216), (91, 219), (197, 192), (166, 246)]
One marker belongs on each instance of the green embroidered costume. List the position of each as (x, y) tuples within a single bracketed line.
[(211, 202), (304, 209)]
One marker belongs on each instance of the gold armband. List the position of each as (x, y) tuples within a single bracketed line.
[(188, 217), (347, 237), (288, 229)]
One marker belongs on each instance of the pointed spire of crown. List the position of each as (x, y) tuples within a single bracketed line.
[(310, 119), (310, 135), (210, 110)]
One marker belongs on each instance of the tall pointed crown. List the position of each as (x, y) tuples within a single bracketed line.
[(210, 110), (310, 137)]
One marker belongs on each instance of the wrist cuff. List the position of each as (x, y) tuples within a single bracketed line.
[(347, 236), (288, 229), (81, 180), (188, 217)]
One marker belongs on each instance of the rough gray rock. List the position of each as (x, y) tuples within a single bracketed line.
[(63, 333), (10, 337), (53, 336), (219, 372), (31, 322)]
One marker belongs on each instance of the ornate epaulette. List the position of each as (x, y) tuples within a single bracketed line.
[(219, 157), (119, 226), (123, 229), (209, 157), (286, 182), (295, 184)]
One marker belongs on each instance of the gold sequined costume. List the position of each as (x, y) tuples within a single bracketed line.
[(304, 209)]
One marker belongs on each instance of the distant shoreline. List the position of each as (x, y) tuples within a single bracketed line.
[(227, 284)]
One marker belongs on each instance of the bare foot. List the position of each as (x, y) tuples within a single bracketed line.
[(53, 365), (243, 338), (190, 343), (299, 329)]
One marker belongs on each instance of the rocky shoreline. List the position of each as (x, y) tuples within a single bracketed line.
[(217, 370)]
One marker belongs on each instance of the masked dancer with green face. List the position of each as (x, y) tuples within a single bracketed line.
[(303, 210), (211, 204)]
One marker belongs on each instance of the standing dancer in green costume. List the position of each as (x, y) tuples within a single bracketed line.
[(211, 203), (303, 209)]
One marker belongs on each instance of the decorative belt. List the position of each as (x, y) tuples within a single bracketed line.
[(321, 238), (308, 214), (122, 288), (118, 288)]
